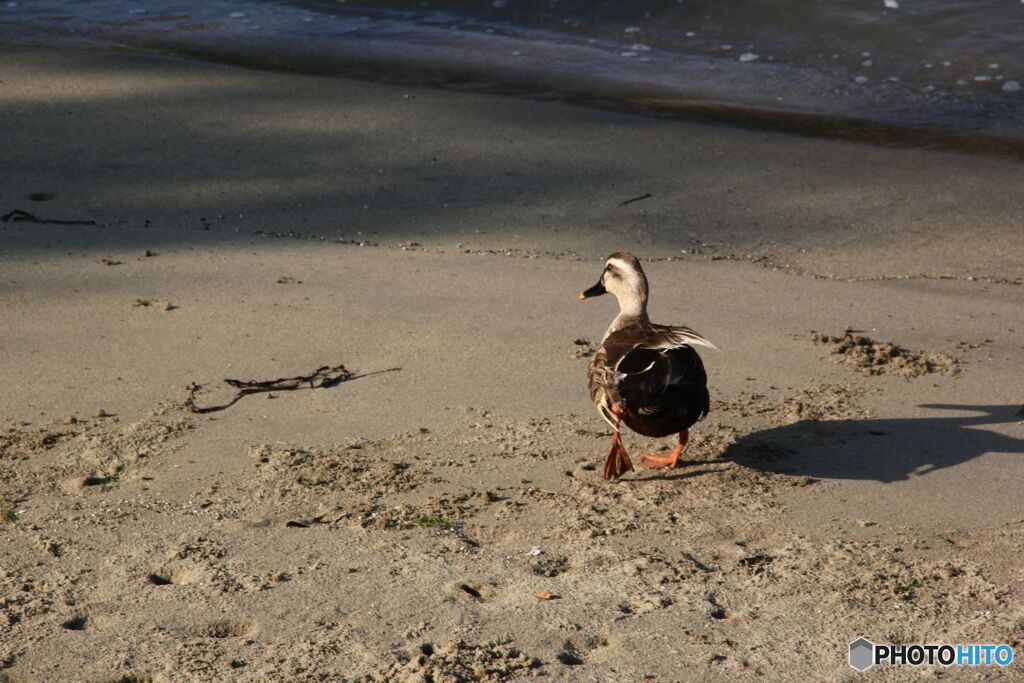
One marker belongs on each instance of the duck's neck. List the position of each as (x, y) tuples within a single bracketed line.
[(631, 310)]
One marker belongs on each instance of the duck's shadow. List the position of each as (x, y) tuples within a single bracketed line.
[(883, 450)]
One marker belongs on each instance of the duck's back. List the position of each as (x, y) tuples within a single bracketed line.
[(662, 390)]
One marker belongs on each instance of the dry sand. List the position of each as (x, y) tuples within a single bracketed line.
[(442, 516)]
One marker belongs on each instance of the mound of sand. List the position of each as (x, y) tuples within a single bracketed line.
[(883, 358)]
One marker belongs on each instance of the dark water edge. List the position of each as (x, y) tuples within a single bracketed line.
[(778, 97)]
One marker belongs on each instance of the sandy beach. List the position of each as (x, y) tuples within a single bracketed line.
[(441, 515)]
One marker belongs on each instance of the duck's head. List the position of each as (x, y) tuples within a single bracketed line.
[(624, 278)]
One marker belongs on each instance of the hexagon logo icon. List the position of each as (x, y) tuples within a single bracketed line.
[(862, 654)]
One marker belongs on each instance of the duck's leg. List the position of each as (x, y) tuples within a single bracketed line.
[(617, 462), (670, 460)]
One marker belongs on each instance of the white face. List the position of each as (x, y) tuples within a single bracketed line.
[(621, 278)]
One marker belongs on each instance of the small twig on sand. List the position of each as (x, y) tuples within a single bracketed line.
[(321, 378), (19, 216), (647, 195)]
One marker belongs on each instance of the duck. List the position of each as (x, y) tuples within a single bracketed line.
[(645, 375)]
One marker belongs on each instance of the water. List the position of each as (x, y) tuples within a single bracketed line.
[(945, 72)]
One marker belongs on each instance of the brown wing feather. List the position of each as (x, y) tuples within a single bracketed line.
[(672, 336)]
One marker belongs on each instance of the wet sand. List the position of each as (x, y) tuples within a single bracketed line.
[(443, 515)]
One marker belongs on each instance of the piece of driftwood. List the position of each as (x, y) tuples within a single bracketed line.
[(321, 378)]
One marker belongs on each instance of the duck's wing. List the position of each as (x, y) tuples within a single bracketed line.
[(638, 348), (642, 349), (671, 337)]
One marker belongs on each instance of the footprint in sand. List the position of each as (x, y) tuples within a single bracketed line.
[(75, 623), (176, 577), (229, 628)]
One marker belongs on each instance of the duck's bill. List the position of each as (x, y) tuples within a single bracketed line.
[(596, 290)]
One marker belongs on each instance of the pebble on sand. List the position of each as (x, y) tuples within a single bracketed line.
[(749, 57), (1011, 86), (892, 4)]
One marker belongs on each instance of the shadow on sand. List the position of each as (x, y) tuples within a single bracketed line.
[(884, 450)]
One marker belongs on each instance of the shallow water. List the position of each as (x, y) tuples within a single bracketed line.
[(942, 68)]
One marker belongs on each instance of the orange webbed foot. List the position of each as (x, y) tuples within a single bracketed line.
[(665, 461), (618, 462)]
